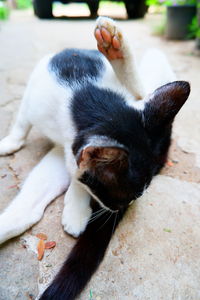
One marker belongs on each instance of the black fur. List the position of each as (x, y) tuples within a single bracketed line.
[(106, 113), (98, 111), (144, 139), (84, 258), (75, 65)]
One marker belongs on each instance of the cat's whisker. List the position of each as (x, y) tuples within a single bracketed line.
[(96, 212), (116, 214), (97, 216), (94, 219), (111, 213)]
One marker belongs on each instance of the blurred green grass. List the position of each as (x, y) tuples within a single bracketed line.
[(4, 11), (23, 4)]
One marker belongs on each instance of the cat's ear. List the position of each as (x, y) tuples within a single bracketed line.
[(104, 161), (165, 103)]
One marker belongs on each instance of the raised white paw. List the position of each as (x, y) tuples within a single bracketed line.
[(9, 145), (75, 221), (109, 38)]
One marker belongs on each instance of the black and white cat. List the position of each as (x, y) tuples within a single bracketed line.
[(111, 137)]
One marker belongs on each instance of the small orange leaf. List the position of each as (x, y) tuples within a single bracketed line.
[(40, 249), (49, 245), (41, 236), (13, 186), (170, 163)]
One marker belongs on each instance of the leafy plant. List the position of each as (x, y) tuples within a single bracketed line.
[(179, 2), (4, 11), (23, 4), (153, 2), (170, 2), (194, 28)]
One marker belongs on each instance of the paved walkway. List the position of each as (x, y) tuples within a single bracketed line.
[(155, 253)]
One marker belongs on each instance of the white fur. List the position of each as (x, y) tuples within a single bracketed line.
[(125, 70), (155, 70), (100, 141), (48, 180), (77, 210), (46, 105)]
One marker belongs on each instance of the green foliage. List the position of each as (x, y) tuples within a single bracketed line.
[(194, 29), (170, 2), (23, 4), (180, 2), (4, 11), (153, 2)]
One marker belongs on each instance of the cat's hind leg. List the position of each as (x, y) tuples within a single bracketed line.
[(48, 180), (113, 44), (16, 138)]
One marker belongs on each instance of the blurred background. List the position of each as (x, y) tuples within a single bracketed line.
[(177, 19)]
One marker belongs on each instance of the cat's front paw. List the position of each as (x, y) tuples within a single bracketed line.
[(9, 145), (109, 38), (75, 222)]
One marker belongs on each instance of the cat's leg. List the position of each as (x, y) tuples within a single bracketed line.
[(155, 60), (16, 139), (112, 43), (47, 180), (77, 210)]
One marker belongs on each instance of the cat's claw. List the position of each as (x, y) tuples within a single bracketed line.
[(109, 38), (75, 222)]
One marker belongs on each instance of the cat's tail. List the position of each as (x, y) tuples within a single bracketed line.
[(84, 258)]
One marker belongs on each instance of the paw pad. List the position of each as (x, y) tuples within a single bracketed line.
[(108, 39)]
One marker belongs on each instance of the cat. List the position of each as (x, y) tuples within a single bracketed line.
[(111, 124)]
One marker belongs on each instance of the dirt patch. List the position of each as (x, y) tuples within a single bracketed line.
[(183, 165)]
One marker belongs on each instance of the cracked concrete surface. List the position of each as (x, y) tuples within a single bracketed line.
[(155, 253)]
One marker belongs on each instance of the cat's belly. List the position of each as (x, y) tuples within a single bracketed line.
[(48, 129)]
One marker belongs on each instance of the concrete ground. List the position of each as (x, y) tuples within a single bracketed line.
[(155, 253)]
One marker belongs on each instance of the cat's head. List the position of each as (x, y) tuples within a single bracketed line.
[(116, 171)]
